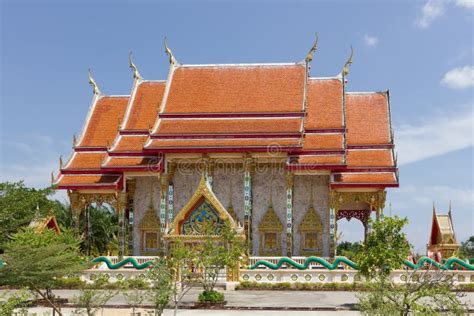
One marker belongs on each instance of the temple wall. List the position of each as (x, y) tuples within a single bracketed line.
[(225, 177), (185, 183), (261, 201), (146, 190), (301, 199)]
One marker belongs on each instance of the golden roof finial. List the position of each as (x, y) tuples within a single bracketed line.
[(136, 74), (74, 140), (52, 177), (168, 51), (95, 87), (313, 49), (61, 162), (345, 70)]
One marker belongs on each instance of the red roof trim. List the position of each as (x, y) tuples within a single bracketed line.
[(213, 149), (325, 130), (90, 148), (309, 167), (224, 136), (126, 153), (385, 146), (83, 171), (318, 152), (229, 115), (134, 132), (364, 185)]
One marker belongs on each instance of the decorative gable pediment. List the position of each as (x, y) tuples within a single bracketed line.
[(202, 208)]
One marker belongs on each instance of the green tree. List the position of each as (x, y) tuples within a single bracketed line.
[(162, 289), (349, 249), (18, 206), (385, 248), (10, 301), (36, 261), (466, 251), (427, 292), (423, 293), (217, 253), (91, 299)]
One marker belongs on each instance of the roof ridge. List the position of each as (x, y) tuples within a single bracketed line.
[(240, 65)]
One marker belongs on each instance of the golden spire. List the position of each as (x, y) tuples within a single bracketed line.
[(313, 49), (95, 87), (136, 74), (168, 51), (52, 177), (345, 70), (61, 162), (74, 140)]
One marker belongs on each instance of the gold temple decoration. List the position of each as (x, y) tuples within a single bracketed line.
[(95, 87), (345, 70), (136, 74), (203, 191), (74, 140), (442, 237), (376, 200), (150, 229), (150, 232), (313, 49), (270, 229), (168, 51), (60, 162), (311, 231)]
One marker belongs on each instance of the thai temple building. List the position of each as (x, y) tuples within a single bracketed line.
[(442, 242), (278, 153)]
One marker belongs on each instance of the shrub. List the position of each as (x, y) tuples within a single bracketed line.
[(211, 297), (137, 283), (69, 283)]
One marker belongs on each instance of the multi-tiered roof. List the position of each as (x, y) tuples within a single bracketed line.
[(242, 108)]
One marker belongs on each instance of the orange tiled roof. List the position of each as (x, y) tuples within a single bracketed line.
[(370, 158), (81, 181), (271, 143), (243, 88), (321, 160), (231, 126), (130, 143), (86, 160), (324, 104), (146, 102), (367, 118), (323, 141), (240, 108), (103, 123), (131, 162), (361, 178)]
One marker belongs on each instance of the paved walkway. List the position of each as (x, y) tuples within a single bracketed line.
[(250, 303)]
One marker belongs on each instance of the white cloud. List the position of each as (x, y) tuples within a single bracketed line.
[(465, 3), (370, 40), (431, 10), (434, 9), (459, 78), (434, 137)]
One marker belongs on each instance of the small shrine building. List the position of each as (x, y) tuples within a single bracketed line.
[(280, 154)]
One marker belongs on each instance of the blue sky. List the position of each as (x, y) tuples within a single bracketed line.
[(422, 51)]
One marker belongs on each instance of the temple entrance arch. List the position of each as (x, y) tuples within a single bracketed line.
[(203, 209), (360, 205)]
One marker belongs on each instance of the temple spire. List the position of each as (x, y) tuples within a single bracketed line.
[(136, 74), (313, 49), (168, 51), (60, 162), (74, 140), (95, 87), (345, 69)]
